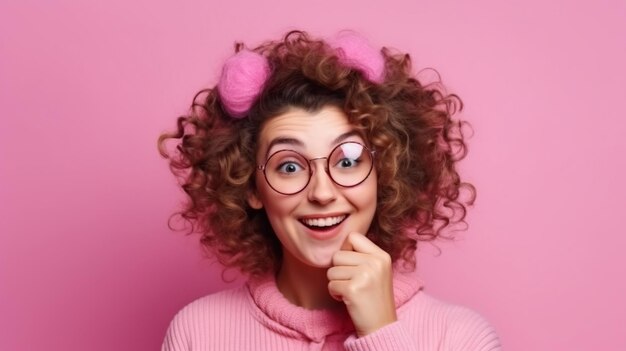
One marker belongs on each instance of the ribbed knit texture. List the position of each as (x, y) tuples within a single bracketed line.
[(257, 316)]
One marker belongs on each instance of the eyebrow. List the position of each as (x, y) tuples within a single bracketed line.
[(299, 143)]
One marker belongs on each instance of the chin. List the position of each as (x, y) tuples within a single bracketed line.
[(320, 260)]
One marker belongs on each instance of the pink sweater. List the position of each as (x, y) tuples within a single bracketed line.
[(257, 316)]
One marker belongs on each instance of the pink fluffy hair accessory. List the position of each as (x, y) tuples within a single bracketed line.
[(242, 80), (354, 51)]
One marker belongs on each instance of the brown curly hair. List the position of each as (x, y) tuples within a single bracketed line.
[(409, 125)]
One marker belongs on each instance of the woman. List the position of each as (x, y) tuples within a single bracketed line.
[(315, 167)]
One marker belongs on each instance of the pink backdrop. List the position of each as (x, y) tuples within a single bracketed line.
[(88, 263)]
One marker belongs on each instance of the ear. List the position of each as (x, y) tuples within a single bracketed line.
[(253, 200)]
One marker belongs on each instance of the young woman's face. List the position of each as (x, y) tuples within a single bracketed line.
[(312, 224)]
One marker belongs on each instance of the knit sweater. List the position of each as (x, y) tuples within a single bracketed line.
[(256, 316)]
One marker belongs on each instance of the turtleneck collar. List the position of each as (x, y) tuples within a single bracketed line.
[(272, 309)]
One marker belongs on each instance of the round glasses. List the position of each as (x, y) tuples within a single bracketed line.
[(288, 172)]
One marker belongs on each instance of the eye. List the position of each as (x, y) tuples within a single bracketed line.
[(348, 162), (289, 167), (347, 156)]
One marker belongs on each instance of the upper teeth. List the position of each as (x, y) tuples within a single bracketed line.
[(323, 222)]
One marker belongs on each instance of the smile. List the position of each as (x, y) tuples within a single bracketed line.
[(323, 222)]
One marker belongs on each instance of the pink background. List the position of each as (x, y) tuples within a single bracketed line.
[(88, 263)]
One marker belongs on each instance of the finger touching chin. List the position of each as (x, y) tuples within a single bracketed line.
[(347, 244)]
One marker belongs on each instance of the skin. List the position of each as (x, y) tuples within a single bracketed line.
[(346, 268)]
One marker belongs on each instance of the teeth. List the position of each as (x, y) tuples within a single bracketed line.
[(323, 222)]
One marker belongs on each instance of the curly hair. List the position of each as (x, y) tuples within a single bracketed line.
[(410, 126)]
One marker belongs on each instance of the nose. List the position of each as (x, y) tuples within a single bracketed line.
[(321, 188)]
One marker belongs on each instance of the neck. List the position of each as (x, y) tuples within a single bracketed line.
[(304, 286)]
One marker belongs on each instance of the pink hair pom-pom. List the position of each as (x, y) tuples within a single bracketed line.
[(355, 51), (241, 82)]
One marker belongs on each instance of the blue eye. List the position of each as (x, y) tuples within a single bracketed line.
[(289, 167)]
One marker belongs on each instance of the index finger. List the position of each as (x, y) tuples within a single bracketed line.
[(346, 245), (360, 243)]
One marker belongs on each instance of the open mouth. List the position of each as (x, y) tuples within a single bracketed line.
[(325, 223)]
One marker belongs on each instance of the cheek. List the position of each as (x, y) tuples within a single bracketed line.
[(369, 196), (266, 194), (277, 206), (370, 190), (364, 197)]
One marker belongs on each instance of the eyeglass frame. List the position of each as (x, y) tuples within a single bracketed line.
[(326, 169)]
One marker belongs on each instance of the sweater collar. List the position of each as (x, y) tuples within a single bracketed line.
[(277, 313)]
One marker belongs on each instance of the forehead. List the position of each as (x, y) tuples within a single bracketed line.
[(312, 131)]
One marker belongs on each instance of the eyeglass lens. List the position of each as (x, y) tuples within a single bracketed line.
[(289, 172)]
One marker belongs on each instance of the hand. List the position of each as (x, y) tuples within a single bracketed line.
[(361, 277)]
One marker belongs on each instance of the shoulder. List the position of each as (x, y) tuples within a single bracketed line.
[(222, 300), (457, 327), (203, 317)]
